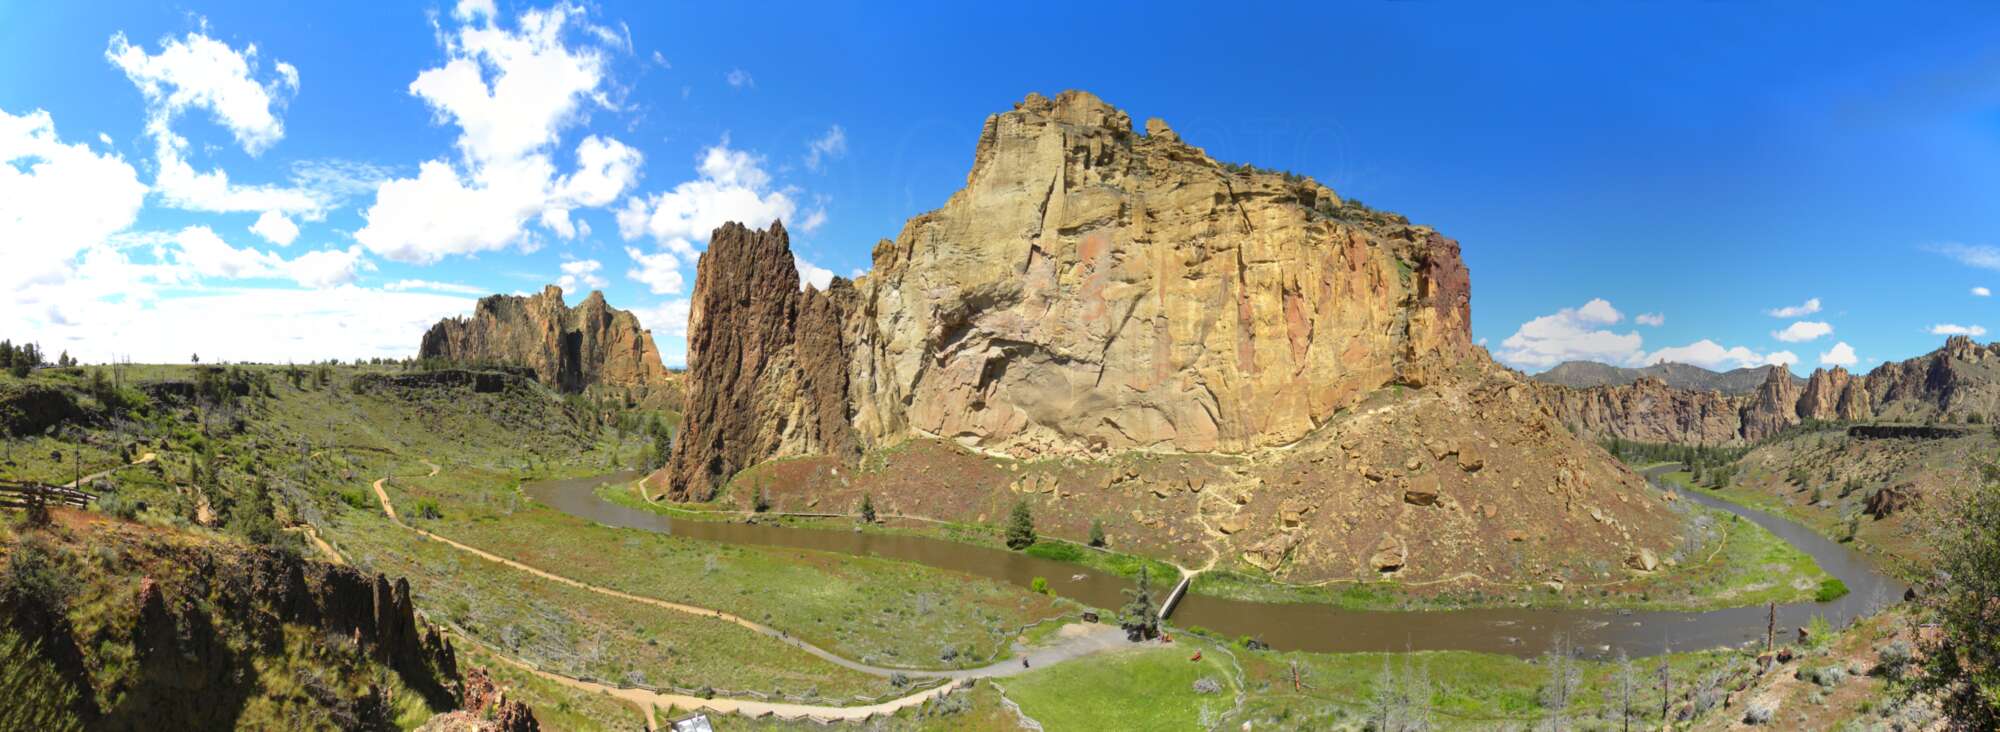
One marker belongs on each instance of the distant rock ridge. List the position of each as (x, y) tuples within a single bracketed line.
[(570, 349), (1956, 383), (1586, 374)]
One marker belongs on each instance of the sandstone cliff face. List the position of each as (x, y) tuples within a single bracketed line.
[(1093, 288), (591, 344), (767, 364)]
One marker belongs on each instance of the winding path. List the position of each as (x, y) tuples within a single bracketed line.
[(1078, 640)]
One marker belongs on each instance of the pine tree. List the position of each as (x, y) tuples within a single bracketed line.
[(1140, 618), (1097, 533), (867, 508), (1020, 527)]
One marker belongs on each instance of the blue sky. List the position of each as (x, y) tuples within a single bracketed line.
[(1707, 164)]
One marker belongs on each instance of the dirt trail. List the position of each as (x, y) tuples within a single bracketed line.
[(143, 459), (1077, 641)]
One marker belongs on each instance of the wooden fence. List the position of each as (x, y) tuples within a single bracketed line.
[(20, 494)]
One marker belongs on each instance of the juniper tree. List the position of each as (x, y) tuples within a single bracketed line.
[(1020, 527)]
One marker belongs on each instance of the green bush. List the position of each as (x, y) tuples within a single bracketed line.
[(1039, 585), (1830, 589)]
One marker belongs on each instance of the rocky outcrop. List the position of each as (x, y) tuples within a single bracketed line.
[(484, 707), (1648, 410), (1774, 407), (198, 622), (1093, 288), (1834, 395), (767, 364), (570, 349)]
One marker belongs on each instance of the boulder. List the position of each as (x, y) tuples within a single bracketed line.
[(1421, 490)]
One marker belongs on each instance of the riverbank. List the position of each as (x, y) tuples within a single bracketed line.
[(1728, 563)]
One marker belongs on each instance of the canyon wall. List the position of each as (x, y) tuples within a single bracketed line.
[(1957, 383)]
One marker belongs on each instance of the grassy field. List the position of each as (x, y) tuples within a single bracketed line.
[(877, 611), (1149, 689), (584, 634)]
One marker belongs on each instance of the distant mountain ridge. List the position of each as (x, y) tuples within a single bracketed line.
[(1586, 374)]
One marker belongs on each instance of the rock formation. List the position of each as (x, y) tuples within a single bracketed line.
[(1957, 383), (1124, 302), (767, 364), (1095, 288), (1091, 289), (592, 344), (1774, 407)]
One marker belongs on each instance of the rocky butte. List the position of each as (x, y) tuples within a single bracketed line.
[(1097, 293), (569, 349)]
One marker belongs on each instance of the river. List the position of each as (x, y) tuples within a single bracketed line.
[(1309, 626)]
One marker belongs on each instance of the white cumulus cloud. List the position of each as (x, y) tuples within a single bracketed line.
[(511, 93), (198, 72), (1802, 331), (578, 274), (1952, 329), (740, 79), (812, 274), (659, 272), (1840, 354), (275, 228), (732, 186), (1650, 319), (1981, 292), (57, 200), (1572, 334), (1802, 309), (1714, 356)]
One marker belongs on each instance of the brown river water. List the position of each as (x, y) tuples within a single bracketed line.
[(1308, 626)]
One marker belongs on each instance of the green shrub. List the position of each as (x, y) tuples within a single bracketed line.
[(1039, 585), (1830, 589), (1060, 551)]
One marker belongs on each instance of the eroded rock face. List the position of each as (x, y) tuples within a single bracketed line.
[(767, 364), (1092, 288), (1773, 408), (592, 344), (1647, 410)]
